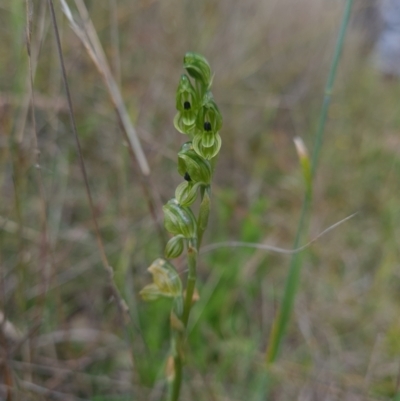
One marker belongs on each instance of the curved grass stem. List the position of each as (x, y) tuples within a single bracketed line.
[(282, 319)]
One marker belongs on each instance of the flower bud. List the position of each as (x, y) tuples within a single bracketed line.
[(197, 67), (174, 247), (166, 281), (192, 166), (179, 219), (186, 192)]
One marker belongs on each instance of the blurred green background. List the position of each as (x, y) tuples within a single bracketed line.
[(271, 60)]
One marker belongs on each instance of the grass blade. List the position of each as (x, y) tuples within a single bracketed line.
[(292, 282)]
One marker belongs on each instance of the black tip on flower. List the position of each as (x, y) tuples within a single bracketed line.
[(207, 126), (187, 177), (186, 105)]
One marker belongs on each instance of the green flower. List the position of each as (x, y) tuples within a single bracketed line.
[(179, 220), (209, 118), (166, 281), (187, 104), (192, 166), (207, 141), (208, 152)]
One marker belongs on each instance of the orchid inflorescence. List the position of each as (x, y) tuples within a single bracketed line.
[(199, 118)]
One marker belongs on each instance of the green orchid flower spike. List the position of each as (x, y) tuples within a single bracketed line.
[(199, 117)]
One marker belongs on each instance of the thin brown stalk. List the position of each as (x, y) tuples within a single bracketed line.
[(34, 55), (103, 67), (89, 38), (45, 260), (121, 304), (22, 341), (5, 370), (44, 242), (114, 33)]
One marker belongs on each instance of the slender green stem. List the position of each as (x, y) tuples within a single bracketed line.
[(176, 348), (204, 213), (174, 387), (178, 337), (292, 282), (285, 310), (191, 281), (329, 85), (192, 253), (177, 380)]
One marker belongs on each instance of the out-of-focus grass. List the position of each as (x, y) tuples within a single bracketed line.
[(271, 61)]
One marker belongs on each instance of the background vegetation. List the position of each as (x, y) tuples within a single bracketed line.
[(271, 60)]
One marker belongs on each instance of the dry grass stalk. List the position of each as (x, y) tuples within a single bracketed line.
[(121, 304), (88, 36)]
